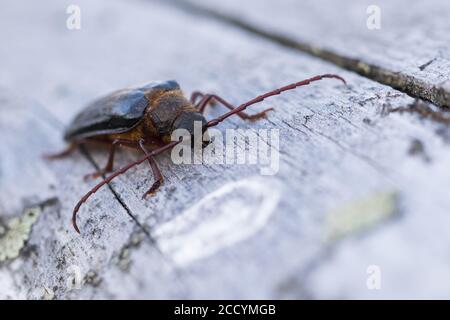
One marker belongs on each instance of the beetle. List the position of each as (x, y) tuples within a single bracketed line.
[(144, 118)]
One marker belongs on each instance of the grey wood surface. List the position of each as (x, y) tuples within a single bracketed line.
[(408, 49), (358, 185)]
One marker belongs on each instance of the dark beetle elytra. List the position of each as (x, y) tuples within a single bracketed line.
[(143, 118)]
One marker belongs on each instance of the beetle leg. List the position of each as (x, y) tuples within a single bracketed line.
[(109, 164), (66, 152), (212, 97), (195, 95), (155, 170), (114, 175), (266, 95)]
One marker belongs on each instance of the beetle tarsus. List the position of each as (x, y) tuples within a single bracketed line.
[(155, 170), (153, 189)]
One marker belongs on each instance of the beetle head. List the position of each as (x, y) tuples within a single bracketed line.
[(190, 121)]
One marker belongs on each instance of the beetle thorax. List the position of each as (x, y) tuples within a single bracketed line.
[(165, 110)]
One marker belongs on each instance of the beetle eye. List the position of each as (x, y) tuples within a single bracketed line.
[(194, 123), (188, 121)]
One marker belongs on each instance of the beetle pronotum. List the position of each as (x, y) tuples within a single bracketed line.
[(144, 118)]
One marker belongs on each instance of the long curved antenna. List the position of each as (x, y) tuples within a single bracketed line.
[(275, 92), (115, 174)]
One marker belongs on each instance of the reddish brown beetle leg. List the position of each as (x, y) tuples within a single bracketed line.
[(109, 164), (266, 95), (114, 175), (212, 97), (66, 152), (195, 95), (202, 96), (155, 170)]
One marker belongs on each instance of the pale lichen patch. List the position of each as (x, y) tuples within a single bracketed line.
[(360, 215), (123, 259), (93, 278), (16, 233)]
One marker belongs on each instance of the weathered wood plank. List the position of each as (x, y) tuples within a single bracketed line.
[(408, 52), (223, 230)]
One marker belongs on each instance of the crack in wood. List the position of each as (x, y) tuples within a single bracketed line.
[(119, 199), (406, 83), (424, 111), (59, 126), (316, 172), (372, 163), (423, 67)]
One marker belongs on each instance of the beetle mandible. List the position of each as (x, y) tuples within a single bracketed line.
[(144, 118)]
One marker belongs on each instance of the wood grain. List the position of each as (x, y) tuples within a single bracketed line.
[(213, 231), (409, 50)]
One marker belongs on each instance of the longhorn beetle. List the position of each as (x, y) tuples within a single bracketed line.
[(143, 118)]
